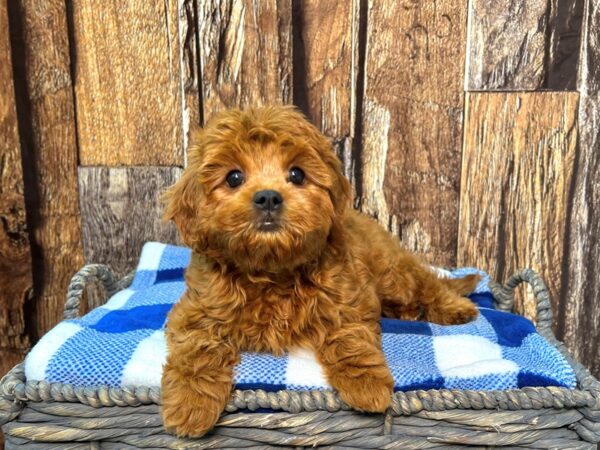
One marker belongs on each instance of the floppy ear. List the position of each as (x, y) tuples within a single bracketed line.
[(183, 199), (341, 190)]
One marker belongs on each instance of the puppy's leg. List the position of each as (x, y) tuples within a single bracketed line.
[(445, 306), (197, 379), (411, 291), (355, 366), (462, 286), (196, 385)]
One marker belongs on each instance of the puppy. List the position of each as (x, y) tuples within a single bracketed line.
[(280, 261)]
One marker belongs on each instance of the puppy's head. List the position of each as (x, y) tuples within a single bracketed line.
[(263, 190)]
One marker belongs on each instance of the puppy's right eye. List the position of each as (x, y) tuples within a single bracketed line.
[(234, 178)]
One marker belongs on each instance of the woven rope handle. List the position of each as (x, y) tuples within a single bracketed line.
[(505, 296), (92, 273)]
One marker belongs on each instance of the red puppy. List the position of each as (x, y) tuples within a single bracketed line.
[(280, 260)]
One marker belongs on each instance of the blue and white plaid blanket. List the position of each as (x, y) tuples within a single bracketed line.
[(122, 344)]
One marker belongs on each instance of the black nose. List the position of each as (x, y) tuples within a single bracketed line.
[(267, 200)]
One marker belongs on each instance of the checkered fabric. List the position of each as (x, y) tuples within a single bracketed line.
[(122, 343)]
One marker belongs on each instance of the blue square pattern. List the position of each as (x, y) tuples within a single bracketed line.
[(411, 360), (395, 326), (541, 364), (144, 308), (482, 299), (478, 327), (101, 362), (93, 317), (170, 265), (143, 279), (174, 258), (489, 381), (161, 293), (511, 329), (261, 371), (148, 317)]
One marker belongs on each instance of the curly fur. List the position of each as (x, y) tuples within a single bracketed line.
[(321, 280)]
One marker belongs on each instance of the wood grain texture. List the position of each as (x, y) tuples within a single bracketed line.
[(16, 282), (45, 109), (518, 163), (121, 210), (325, 69), (187, 27), (412, 122), (131, 104), (328, 41), (506, 46), (245, 53), (565, 39), (578, 316)]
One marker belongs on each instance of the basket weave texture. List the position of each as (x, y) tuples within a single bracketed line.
[(42, 415)]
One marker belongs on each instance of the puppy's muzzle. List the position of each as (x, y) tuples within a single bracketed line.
[(268, 201)]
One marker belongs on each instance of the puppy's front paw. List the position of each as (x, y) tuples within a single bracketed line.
[(367, 392), (190, 414), (192, 404)]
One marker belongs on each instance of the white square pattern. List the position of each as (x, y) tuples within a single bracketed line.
[(303, 369), (468, 356), (150, 258), (145, 365)]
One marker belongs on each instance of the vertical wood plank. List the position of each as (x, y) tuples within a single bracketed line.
[(518, 162), (121, 210), (328, 44), (47, 125), (245, 53), (507, 44), (565, 40), (190, 67), (325, 68), (412, 122), (134, 86), (578, 315), (522, 45), (15, 257)]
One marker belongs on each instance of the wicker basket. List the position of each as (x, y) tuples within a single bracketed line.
[(41, 415)]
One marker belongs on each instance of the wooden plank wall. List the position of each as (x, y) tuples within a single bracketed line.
[(15, 255), (517, 172), (469, 129), (46, 115)]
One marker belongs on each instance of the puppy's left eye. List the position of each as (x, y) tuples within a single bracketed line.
[(234, 178), (296, 175)]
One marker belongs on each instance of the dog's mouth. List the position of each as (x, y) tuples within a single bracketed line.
[(268, 223)]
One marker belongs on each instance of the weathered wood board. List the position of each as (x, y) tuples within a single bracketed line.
[(579, 311), (245, 53), (15, 257), (522, 45), (412, 122), (46, 114), (129, 81), (121, 210), (325, 69), (517, 169), (564, 45), (190, 68), (328, 42), (506, 47)]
